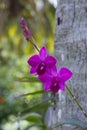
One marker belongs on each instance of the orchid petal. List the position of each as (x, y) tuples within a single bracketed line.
[(65, 74), (47, 86), (54, 70), (62, 86), (50, 61), (45, 77), (43, 53), (33, 70), (34, 60)]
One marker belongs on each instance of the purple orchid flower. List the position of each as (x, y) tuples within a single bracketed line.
[(56, 81), (41, 63)]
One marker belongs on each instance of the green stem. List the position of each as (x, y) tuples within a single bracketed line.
[(76, 101), (34, 44), (32, 93)]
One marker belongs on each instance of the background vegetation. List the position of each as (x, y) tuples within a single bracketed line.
[(14, 52)]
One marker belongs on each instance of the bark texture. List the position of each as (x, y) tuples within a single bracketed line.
[(71, 51)]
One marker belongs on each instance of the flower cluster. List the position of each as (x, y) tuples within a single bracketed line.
[(44, 66)]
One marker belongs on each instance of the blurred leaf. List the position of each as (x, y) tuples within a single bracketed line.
[(30, 79), (33, 93), (32, 117), (71, 121), (36, 125), (43, 106), (12, 31)]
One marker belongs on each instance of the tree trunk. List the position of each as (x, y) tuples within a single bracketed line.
[(71, 51)]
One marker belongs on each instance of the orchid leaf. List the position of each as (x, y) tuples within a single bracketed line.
[(27, 79), (32, 117), (38, 107), (72, 121), (35, 125), (33, 93)]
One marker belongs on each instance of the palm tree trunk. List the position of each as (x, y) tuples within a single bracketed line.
[(71, 51)]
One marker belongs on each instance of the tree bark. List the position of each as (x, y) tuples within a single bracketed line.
[(71, 51)]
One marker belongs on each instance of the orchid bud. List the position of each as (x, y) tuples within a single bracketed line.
[(25, 29)]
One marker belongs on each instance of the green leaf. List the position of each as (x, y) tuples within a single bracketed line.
[(35, 125), (32, 117), (39, 107), (27, 79), (72, 121), (33, 93)]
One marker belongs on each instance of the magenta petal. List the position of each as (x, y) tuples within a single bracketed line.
[(65, 74), (50, 61), (43, 53), (45, 78), (47, 86), (62, 86), (33, 70), (54, 70), (34, 60)]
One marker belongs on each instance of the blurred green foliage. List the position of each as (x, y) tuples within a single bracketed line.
[(15, 51)]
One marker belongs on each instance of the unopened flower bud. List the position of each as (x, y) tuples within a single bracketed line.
[(25, 29)]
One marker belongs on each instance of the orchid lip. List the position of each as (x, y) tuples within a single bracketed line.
[(54, 85), (41, 68)]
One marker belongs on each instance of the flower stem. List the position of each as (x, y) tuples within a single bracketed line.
[(34, 43), (76, 101)]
